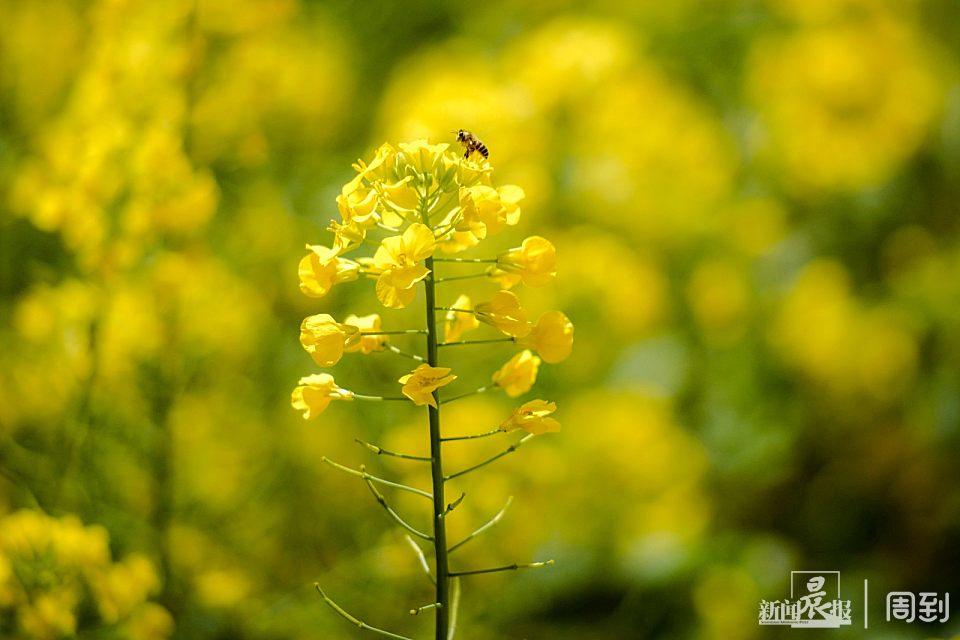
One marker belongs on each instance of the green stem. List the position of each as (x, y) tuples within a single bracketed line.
[(355, 621), (455, 309), (516, 445), (426, 607), (367, 476), (360, 396), (454, 606), (494, 520), (436, 466), (459, 343), (466, 395), (398, 332), (420, 557), (392, 512), (380, 451), (453, 505), (399, 352), (466, 260), (509, 567), (466, 277), (485, 434)]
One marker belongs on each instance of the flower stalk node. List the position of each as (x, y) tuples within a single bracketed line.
[(453, 505)]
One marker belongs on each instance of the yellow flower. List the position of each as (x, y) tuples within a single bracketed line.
[(456, 241), (464, 228), (398, 261), (493, 208), (504, 312), (324, 338), (518, 374), (346, 236), (552, 337), (533, 418), (358, 204), (365, 344), (422, 156), (315, 393), (509, 195), (400, 199), (533, 262), (468, 173), (321, 269), (420, 384), (472, 200), (378, 167), (457, 322)]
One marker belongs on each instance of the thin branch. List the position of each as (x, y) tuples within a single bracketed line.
[(465, 395), (494, 520), (484, 341), (393, 514), (400, 352), (470, 276), (367, 476), (356, 622), (453, 505), (485, 434), (509, 567), (468, 260), (380, 451), (457, 216), (456, 210), (422, 558), (426, 607), (397, 332), (516, 445), (470, 311), (360, 396), (454, 607)]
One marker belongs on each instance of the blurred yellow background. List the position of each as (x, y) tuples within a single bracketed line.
[(755, 207)]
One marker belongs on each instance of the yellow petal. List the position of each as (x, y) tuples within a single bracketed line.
[(366, 344), (420, 384), (406, 277), (504, 312), (314, 394), (391, 296), (552, 337), (517, 376), (457, 323), (315, 280), (324, 338), (532, 417), (419, 241)]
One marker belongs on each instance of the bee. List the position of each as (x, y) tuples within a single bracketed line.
[(471, 143)]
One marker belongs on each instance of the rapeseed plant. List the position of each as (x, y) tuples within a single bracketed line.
[(415, 203)]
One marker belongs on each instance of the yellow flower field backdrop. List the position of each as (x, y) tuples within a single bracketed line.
[(756, 213)]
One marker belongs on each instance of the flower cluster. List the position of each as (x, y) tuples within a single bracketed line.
[(57, 580), (421, 199)]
